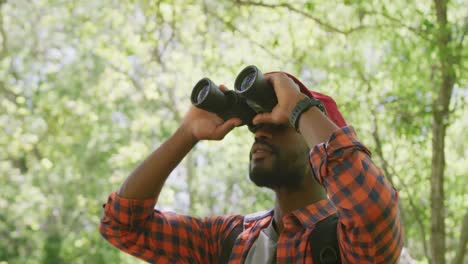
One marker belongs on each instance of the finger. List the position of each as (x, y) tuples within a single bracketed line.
[(262, 118), (277, 79), (274, 76), (221, 131), (270, 77), (223, 87), (236, 121), (281, 79)]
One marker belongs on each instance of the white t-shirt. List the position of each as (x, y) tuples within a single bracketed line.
[(263, 251)]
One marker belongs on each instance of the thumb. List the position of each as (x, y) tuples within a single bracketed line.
[(262, 118)]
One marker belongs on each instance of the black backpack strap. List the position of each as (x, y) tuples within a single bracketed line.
[(228, 243), (324, 241)]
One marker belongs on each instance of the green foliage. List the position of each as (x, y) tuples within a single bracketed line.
[(89, 88)]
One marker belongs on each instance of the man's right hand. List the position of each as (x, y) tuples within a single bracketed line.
[(203, 125)]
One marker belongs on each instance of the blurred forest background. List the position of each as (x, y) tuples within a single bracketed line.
[(89, 88)]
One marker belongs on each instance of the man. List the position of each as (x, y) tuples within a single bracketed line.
[(368, 230)]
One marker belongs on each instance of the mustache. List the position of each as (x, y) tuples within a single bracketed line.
[(262, 141)]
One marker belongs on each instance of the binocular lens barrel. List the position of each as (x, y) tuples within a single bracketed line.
[(207, 95), (258, 92)]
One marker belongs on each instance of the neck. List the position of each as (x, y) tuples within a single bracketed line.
[(288, 201)]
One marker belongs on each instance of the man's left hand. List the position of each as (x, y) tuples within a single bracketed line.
[(288, 94)]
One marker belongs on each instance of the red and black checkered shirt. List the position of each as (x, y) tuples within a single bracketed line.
[(369, 229)]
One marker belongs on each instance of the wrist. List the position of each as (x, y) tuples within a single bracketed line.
[(185, 132), (293, 103), (302, 106)]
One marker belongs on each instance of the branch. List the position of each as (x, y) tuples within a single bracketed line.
[(9, 95), (461, 249), (157, 54), (460, 43), (4, 51), (231, 26), (37, 153), (419, 32), (375, 132), (171, 105), (328, 27), (131, 78)]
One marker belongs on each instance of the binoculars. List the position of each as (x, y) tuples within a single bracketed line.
[(252, 94)]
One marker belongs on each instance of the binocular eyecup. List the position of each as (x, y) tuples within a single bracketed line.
[(252, 94)]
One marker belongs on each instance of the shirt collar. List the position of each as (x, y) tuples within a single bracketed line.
[(310, 215)]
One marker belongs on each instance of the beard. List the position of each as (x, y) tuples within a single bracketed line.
[(279, 170)]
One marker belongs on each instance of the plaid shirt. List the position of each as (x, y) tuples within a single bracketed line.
[(369, 229)]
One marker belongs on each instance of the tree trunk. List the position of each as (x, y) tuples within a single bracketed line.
[(437, 191), (439, 127)]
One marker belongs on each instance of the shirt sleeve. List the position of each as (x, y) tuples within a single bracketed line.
[(135, 227), (370, 230)]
